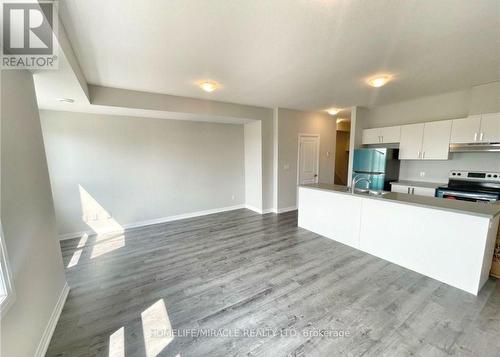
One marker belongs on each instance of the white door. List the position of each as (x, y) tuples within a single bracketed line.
[(465, 130), (490, 128), (410, 147), (390, 134), (308, 159), (436, 143), (371, 136)]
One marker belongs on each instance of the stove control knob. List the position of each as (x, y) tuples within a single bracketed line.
[(454, 174), (489, 175), (495, 176), (459, 174)]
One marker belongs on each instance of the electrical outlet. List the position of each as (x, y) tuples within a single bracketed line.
[(422, 173)]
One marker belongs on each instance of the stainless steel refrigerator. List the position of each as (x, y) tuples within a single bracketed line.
[(380, 166)]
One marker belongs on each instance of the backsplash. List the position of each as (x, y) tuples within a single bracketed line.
[(437, 171)]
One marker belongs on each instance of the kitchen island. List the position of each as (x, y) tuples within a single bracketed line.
[(450, 241)]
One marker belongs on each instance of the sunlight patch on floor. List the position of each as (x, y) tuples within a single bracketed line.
[(117, 343), (106, 243), (156, 328), (75, 258)]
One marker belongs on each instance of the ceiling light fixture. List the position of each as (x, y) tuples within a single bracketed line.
[(333, 111), (66, 100), (379, 81), (208, 86)]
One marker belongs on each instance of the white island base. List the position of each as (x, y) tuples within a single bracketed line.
[(452, 247)]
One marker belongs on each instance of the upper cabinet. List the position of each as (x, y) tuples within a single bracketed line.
[(465, 130), (476, 129), (490, 128), (426, 141), (387, 135), (410, 147)]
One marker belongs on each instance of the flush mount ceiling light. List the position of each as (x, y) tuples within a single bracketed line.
[(66, 100), (333, 111), (379, 81), (208, 86)]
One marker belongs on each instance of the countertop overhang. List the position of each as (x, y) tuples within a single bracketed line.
[(486, 210)]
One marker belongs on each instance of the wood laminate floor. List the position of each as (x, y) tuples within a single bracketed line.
[(242, 284)]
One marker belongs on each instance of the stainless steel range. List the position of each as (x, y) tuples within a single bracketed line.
[(471, 186)]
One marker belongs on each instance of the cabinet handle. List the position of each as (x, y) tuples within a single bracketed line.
[(382, 139), (423, 154), (413, 190), (408, 190), (419, 154), (475, 136), (481, 137)]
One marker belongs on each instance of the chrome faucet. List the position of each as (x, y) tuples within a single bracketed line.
[(355, 180)]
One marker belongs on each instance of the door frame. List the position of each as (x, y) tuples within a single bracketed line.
[(301, 135)]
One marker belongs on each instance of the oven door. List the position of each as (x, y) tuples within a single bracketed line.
[(467, 196)]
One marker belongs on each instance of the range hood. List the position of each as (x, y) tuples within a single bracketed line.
[(475, 147)]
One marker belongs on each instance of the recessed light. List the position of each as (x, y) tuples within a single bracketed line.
[(333, 111), (66, 100), (379, 81), (208, 86)]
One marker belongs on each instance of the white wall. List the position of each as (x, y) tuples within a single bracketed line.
[(141, 169), (253, 165), (28, 219), (290, 124), (479, 99)]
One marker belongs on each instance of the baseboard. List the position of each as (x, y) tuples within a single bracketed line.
[(286, 209), (150, 222), (51, 325), (253, 208)]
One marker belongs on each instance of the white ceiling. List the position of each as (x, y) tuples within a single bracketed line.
[(302, 54)]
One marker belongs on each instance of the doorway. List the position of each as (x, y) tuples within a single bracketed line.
[(342, 151), (308, 159)]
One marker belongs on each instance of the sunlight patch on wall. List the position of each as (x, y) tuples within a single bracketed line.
[(109, 232), (117, 343), (156, 328), (95, 216)]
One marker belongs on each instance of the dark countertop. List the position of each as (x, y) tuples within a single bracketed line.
[(487, 210)]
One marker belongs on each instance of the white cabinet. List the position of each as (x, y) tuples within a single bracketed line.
[(400, 188), (386, 135), (390, 134), (436, 142), (426, 141), (465, 130), (476, 129), (371, 136), (413, 190), (490, 128), (410, 147), (423, 191)]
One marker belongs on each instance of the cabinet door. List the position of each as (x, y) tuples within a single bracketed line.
[(436, 143), (490, 128), (390, 134), (424, 191), (400, 188), (410, 146), (371, 136), (465, 130)]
